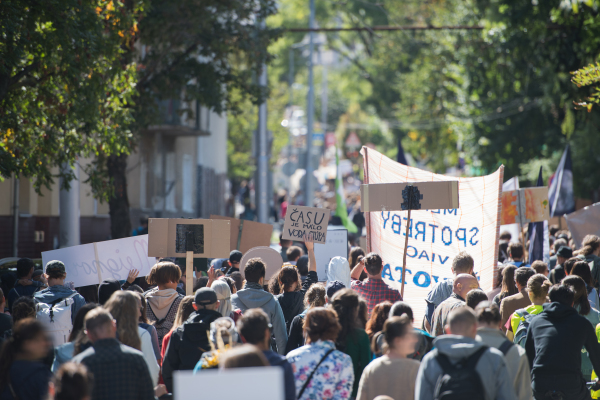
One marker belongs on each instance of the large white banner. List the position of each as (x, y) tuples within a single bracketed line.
[(584, 222), (115, 258), (435, 236)]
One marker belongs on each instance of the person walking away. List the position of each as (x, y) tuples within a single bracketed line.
[(357, 254), (554, 341), (378, 318), (71, 382), (320, 370), (393, 374), (234, 262), (489, 333), (254, 296), (190, 340), (253, 328), (22, 375), (293, 254), (315, 297), (223, 337), (582, 270), (516, 255), (24, 286), (6, 322), (559, 272), (145, 324), (338, 269), (462, 366), (520, 300), (185, 309), (518, 324), (509, 287), (558, 243), (164, 299), (244, 356), (424, 340), (373, 289), (474, 297), (540, 267), (64, 352), (120, 372), (590, 252), (498, 288), (463, 284), (461, 264), (125, 308), (351, 340)]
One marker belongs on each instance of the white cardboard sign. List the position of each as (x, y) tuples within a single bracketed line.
[(336, 246), (115, 258)]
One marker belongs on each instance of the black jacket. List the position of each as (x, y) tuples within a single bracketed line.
[(554, 342), (295, 334), (187, 344), (292, 303), (557, 274)]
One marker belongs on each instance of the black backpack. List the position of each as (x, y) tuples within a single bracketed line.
[(459, 381)]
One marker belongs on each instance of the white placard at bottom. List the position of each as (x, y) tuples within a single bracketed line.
[(336, 246), (258, 383)]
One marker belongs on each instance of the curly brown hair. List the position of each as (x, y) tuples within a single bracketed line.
[(321, 323), (378, 318)]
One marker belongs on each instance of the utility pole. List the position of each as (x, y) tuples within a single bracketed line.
[(69, 234), (262, 159), (323, 93), (308, 195)]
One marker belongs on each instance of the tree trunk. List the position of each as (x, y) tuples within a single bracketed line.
[(120, 223)]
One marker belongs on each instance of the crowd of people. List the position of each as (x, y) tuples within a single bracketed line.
[(346, 335)]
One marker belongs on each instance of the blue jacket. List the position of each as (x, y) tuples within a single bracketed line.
[(56, 292), (20, 291)]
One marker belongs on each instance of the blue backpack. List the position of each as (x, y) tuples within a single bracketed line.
[(521, 333)]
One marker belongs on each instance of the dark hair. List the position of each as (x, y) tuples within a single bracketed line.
[(135, 288), (244, 356), (283, 241), (399, 308), (200, 283), (24, 330), (568, 265), (590, 244), (252, 325), (254, 270), (164, 272), (558, 243), (498, 277), (79, 318), (355, 253), (72, 382), (345, 304), (538, 285), (286, 277), (373, 263), (579, 287), (461, 319), (523, 274), (476, 296), (321, 323), (238, 279), (582, 269), (515, 250), (230, 282), (539, 266), (24, 266), (302, 265), (378, 317), (273, 285), (23, 307), (315, 296), (488, 313), (396, 327), (463, 263), (363, 313), (293, 253), (505, 235), (508, 282), (562, 294), (56, 274)]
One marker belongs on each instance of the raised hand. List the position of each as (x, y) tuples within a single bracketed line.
[(133, 273)]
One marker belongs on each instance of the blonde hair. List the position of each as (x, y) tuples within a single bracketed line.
[(538, 285), (123, 306), (223, 295), (186, 307)]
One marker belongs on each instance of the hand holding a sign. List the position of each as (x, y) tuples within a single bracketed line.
[(310, 248)]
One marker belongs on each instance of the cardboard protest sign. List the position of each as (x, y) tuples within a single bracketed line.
[(113, 257), (523, 206), (336, 245), (268, 381), (168, 237), (300, 221), (389, 196), (584, 222), (434, 236), (247, 234), (270, 257)]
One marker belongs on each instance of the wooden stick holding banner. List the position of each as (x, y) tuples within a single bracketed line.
[(411, 196), (189, 263)]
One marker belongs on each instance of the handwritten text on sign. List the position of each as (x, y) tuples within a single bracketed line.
[(309, 221)]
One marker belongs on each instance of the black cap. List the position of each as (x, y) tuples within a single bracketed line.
[(235, 256), (565, 252), (205, 296), (106, 289), (332, 287)]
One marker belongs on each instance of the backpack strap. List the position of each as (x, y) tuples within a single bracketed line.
[(313, 372), (160, 321), (506, 346), (471, 361), (55, 302)]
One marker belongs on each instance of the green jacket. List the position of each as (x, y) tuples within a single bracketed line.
[(358, 347)]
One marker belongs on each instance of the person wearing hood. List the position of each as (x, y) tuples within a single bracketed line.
[(254, 296), (190, 340), (458, 346), (554, 341), (163, 300), (338, 269)]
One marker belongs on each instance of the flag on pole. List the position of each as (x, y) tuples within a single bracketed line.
[(560, 193), (539, 246), (340, 210), (400, 157)]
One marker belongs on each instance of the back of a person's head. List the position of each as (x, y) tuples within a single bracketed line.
[(254, 270), (24, 330), (538, 286), (582, 269), (243, 356), (505, 235), (399, 308), (287, 277), (164, 272), (378, 317), (252, 325), (463, 263), (539, 267), (24, 266), (79, 318), (345, 302), (23, 307), (475, 296), (184, 310), (508, 280), (570, 263), (515, 250), (200, 283), (72, 382), (590, 244), (302, 265), (106, 289), (293, 253), (522, 275), (321, 323), (395, 327), (238, 279), (223, 332), (315, 296), (562, 294), (373, 263), (558, 243), (461, 320), (284, 242), (488, 313), (355, 253), (579, 287), (98, 321)]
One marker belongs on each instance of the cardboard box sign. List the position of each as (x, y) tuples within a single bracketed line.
[(584, 222), (300, 221), (388, 196), (270, 257), (523, 206), (168, 237), (247, 234)]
